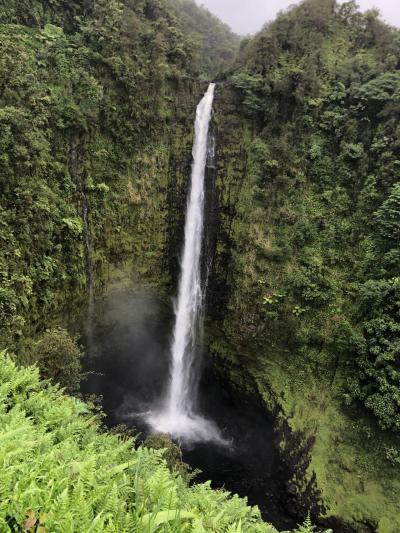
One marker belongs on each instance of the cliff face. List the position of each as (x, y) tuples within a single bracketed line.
[(97, 107), (96, 133), (302, 297)]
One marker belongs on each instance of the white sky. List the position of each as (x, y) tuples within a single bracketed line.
[(248, 16)]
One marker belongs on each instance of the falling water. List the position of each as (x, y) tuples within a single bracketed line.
[(178, 416), (189, 302)]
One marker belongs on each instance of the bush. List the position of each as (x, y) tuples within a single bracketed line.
[(388, 220), (59, 358), (378, 357), (172, 454)]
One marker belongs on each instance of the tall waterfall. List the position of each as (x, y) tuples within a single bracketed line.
[(189, 302), (178, 416)]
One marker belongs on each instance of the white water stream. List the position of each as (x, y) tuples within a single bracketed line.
[(178, 415)]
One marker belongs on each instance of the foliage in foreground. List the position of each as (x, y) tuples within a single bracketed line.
[(60, 473)]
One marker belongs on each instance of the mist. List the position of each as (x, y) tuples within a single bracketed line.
[(130, 351)]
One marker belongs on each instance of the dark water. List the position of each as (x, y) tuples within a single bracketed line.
[(129, 355)]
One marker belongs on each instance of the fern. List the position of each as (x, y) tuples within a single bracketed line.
[(307, 526), (58, 469)]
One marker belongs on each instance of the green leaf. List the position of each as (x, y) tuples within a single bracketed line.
[(162, 517)]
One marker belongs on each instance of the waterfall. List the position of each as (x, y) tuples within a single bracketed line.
[(177, 416), (190, 299)]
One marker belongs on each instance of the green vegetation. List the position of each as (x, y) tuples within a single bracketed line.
[(172, 454), (97, 99), (96, 109), (58, 356), (310, 226), (60, 473), (342, 174), (215, 46), (88, 124)]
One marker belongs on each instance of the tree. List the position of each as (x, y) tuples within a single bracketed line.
[(378, 356)]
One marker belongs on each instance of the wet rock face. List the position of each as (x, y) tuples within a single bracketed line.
[(229, 175), (233, 312)]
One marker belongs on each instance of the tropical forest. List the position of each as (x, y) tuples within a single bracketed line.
[(199, 269)]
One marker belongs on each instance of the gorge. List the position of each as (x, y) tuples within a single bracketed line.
[(300, 245)]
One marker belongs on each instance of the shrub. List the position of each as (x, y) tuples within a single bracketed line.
[(59, 358)]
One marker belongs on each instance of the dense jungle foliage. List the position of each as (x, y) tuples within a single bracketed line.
[(312, 233), (59, 472), (329, 144), (96, 98), (323, 84)]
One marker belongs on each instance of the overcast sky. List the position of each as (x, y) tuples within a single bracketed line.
[(248, 16)]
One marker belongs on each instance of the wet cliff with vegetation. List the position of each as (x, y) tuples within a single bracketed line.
[(307, 311), (97, 105), (97, 102)]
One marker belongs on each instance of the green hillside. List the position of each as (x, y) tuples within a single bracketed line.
[(310, 230)]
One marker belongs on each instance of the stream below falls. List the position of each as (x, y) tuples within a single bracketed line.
[(127, 364)]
